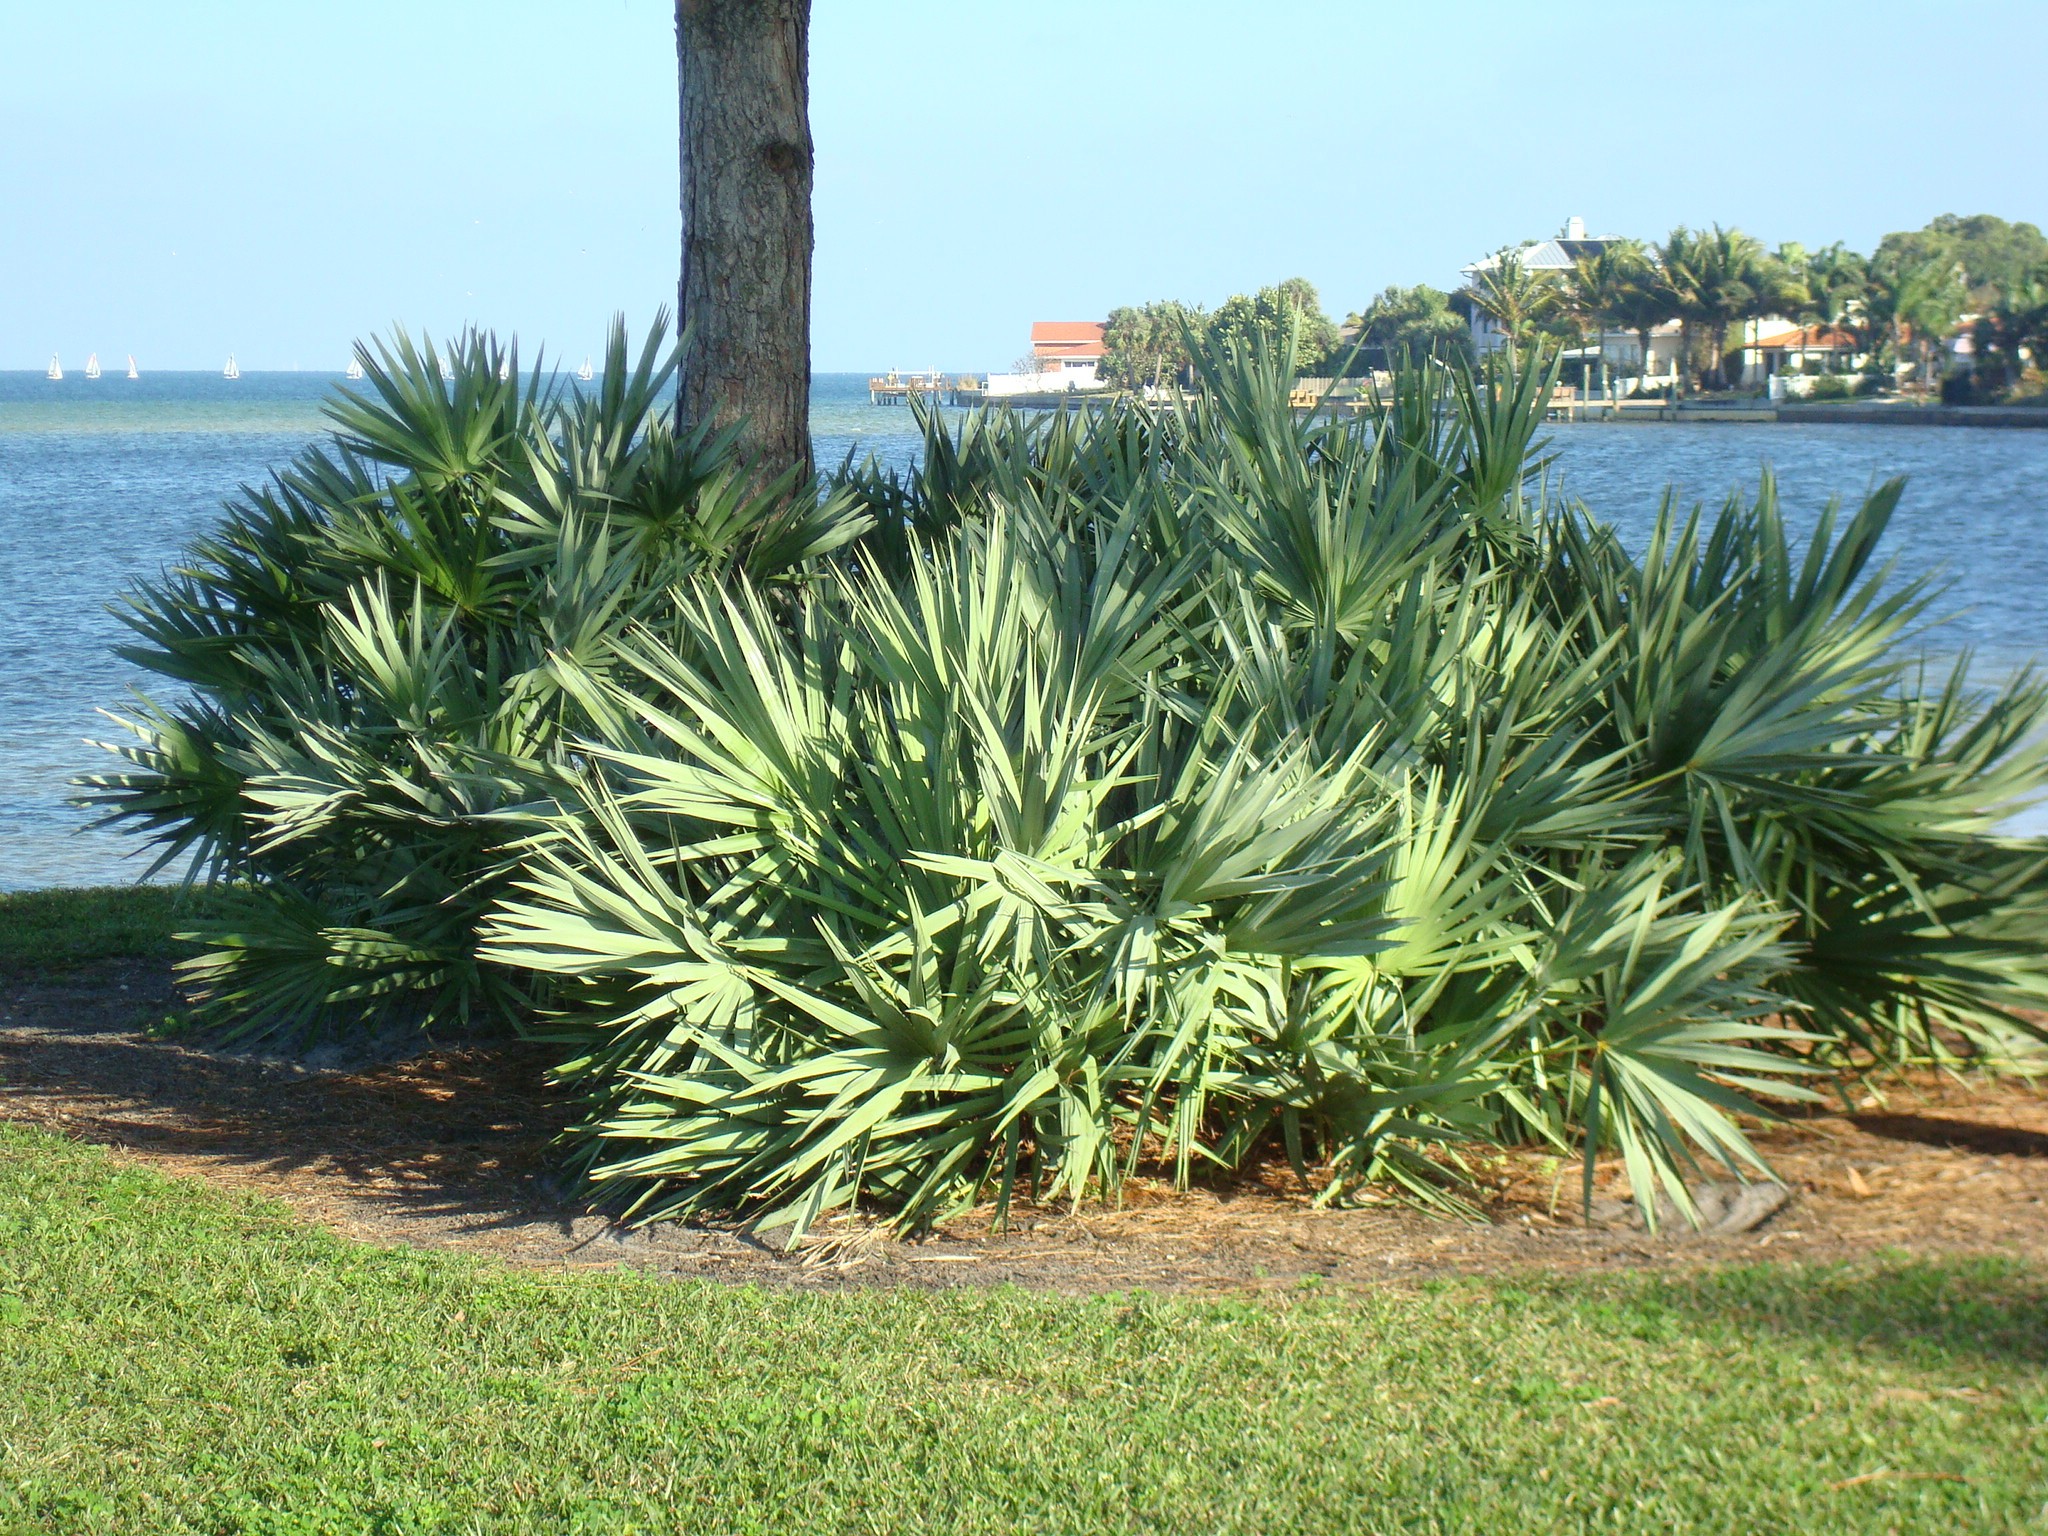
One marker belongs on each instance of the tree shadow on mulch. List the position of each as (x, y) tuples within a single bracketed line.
[(448, 1130), (1971, 1136)]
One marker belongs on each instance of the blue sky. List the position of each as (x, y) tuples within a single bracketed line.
[(275, 179)]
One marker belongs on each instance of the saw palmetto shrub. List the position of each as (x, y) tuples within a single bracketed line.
[(387, 652), (1115, 790)]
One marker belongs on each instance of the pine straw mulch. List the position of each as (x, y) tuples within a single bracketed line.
[(449, 1149)]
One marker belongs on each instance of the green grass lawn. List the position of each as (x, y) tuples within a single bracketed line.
[(175, 1359), (63, 928)]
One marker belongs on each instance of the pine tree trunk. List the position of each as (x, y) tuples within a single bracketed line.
[(745, 297)]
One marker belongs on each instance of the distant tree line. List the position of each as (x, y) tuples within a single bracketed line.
[(1897, 304), (1150, 344)]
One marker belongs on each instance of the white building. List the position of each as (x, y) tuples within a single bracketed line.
[(1552, 258), (1773, 347), (1769, 345), (1067, 355)]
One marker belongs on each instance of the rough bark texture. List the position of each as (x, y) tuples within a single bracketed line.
[(743, 68)]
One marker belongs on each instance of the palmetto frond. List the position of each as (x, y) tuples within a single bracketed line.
[(383, 642)]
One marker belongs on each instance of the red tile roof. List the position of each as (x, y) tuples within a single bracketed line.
[(1805, 338), (1067, 338)]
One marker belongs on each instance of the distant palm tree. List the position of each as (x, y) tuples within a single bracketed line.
[(1518, 299), (1146, 344), (1877, 318), (1837, 283), (1605, 291), (2016, 328), (1779, 284), (1680, 288), (1782, 283), (1931, 296), (1907, 300), (1712, 280), (1645, 306), (1733, 276)]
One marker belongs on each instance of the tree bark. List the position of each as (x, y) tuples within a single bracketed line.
[(743, 71)]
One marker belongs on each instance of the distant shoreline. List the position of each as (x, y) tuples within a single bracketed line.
[(1762, 413), (2019, 416)]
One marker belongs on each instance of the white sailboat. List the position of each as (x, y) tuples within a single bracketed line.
[(447, 371), (133, 372), (585, 373), (92, 365), (55, 370), (231, 371), (504, 369), (355, 369)]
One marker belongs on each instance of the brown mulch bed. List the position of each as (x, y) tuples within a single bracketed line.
[(449, 1149)]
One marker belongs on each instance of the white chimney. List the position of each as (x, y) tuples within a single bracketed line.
[(1575, 228)]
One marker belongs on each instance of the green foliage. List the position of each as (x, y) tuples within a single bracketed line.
[(1407, 326), (1522, 301), (1897, 302), (1615, 289), (1924, 281), (1147, 345), (1269, 318), (2013, 336), (182, 1362), (1712, 279), (1915, 296), (1144, 788), (1620, 289), (1841, 386), (1993, 256), (1918, 283), (381, 651), (1200, 779), (1835, 279)]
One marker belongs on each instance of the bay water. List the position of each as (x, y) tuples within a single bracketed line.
[(103, 481)]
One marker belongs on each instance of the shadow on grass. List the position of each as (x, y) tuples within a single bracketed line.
[(65, 927), (1924, 1312)]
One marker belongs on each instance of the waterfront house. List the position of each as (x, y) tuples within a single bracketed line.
[(1542, 258), (1067, 355), (1611, 360), (1615, 359), (1069, 349), (1772, 346)]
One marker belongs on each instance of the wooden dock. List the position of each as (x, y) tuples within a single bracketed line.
[(902, 388)]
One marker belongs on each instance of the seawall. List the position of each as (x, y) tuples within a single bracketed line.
[(1919, 415), (1817, 415)]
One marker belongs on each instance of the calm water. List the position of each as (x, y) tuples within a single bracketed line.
[(102, 481)]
